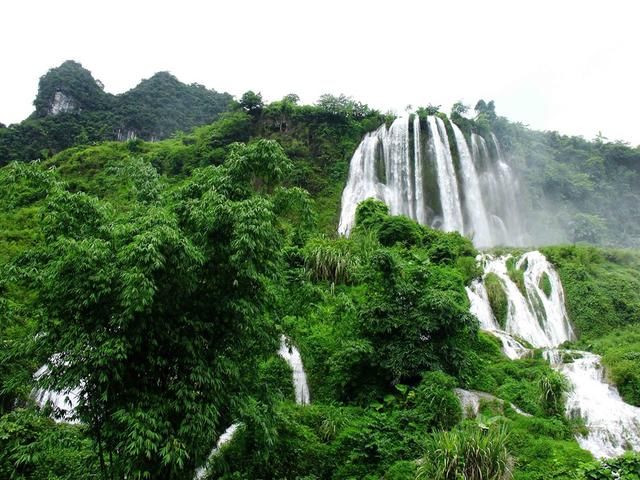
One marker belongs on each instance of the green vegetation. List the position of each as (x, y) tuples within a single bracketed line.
[(155, 109), (624, 467), (516, 274), (158, 277), (602, 287), (620, 350), (497, 298), (472, 453), (33, 446), (545, 284)]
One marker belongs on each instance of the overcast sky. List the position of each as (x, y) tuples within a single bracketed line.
[(571, 66)]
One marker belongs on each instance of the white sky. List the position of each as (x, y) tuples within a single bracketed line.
[(571, 66)]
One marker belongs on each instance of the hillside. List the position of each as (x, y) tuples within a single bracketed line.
[(195, 283), (71, 107)]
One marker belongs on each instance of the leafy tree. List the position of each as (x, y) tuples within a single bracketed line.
[(251, 102), (156, 312), (34, 446), (459, 109), (343, 105), (430, 109)]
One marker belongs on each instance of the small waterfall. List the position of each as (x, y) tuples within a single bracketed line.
[(473, 197), (481, 308), (225, 438), (614, 426), (447, 181), (540, 318), (557, 327), (470, 402), (64, 402), (292, 356)]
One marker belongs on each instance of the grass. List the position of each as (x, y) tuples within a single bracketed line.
[(472, 452)]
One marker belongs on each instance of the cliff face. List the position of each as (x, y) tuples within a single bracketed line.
[(70, 88), (62, 103)]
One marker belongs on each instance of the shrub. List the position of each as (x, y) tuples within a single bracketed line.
[(399, 229), (497, 298), (470, 453), (330, 260)]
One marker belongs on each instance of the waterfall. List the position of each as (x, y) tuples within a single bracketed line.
[(474, 203), (540, 318), (225, 438), (364, 181), (511, 191), (410, 166), (447, 181), (481, 308), (64, 402), (614, 426), (292, 356), (532, 316), (420, 214)]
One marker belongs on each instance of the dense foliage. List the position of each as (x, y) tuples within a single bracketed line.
[(158, 277)]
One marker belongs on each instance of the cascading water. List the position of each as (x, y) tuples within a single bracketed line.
[(532, 316), (64, 402), (292, 356), (225, 438), (540, 318), (447, 180), (420, 214), (481, 308), (410, 166), (614, 426), (474, 204), (364, 181)]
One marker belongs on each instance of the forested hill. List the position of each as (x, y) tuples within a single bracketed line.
[(71, 107), (167, 286)]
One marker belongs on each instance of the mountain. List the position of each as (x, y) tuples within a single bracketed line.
[(71, 107)]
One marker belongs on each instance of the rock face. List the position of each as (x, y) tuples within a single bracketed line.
[(61, 103), (470, 402)]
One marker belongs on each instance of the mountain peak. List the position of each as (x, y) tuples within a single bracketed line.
[(69, 88)]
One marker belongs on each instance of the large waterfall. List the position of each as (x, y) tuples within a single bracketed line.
[(537, 316), (428, 170)]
